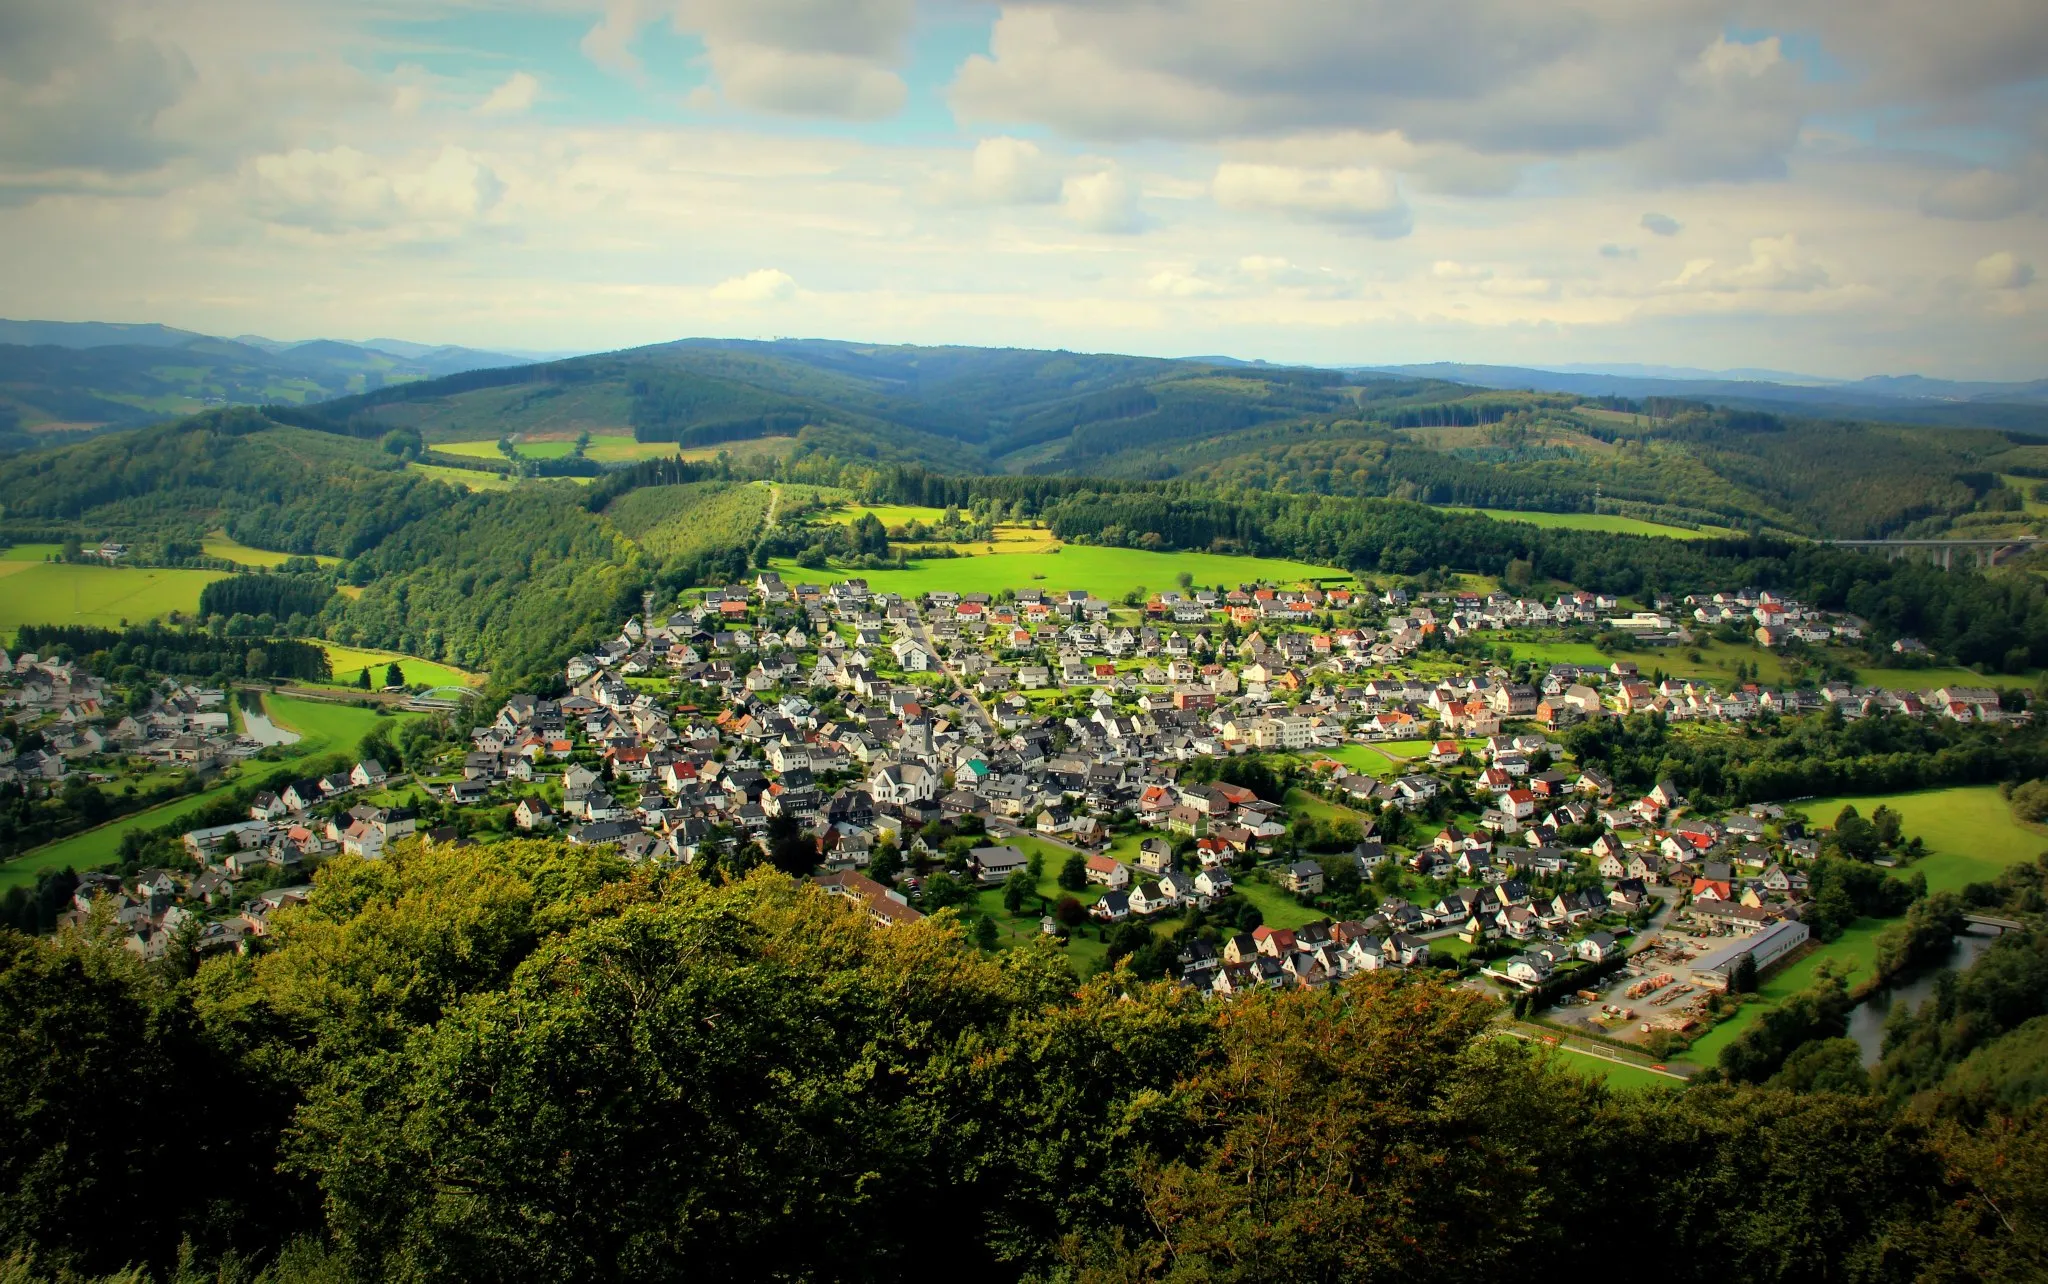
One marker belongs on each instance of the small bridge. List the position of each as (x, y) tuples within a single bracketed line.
[(1985, 920), (1942, 552)]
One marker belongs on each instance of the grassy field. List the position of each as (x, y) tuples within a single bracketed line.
[(1716, 663), (891, 515), (1366, 758), (756, 448), (1970, 831), (1850, 956), (1108, 573), (1615, 1073), (608, 448), (31, 552), (325, 728), (63, 593), (467, 479), (1609, 522), (219, 544), (348, 661)]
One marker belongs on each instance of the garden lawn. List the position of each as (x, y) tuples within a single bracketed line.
[(1107, 573), (1970, 831), (1852, 955), (1299, 802), (1277, 904), (348, 661), (64, 593), (325, 728), (1609, 522)]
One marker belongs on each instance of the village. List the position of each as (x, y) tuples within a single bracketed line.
[(961, 745)]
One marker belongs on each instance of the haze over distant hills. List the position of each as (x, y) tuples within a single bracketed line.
[(59, 379)]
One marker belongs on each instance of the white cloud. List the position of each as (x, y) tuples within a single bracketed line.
[(1182, 285), (763, 285), (1452, 270), (1105, 201), (1776, 263), (1363, 198), (1005, 171), (1978, 195), (2003, 271), (795, 57), (512, 98), (342, 190)]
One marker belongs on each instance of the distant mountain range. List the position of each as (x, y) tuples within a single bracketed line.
[(63, 379), (2017, 407)]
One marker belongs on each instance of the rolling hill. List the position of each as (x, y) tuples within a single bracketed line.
[(63, 380), (1235, 425)]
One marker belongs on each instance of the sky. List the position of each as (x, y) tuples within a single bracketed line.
[(1825, 186)]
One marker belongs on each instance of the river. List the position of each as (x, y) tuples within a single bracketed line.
[(258, 727), (1866, 1021)]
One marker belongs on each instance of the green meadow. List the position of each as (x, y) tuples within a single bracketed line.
[(220, 544), (1970, 831), (1108, 573), (1608, 522), (348, 661), (106, 596)]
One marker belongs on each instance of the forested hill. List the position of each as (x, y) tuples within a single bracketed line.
[(1237, 427)]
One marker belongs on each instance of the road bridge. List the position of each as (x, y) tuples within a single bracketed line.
[(1942, 552)]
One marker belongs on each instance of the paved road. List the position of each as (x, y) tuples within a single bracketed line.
[(988, 724)]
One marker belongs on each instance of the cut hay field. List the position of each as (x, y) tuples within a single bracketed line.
[(1970, 831), (1608, 522), (348, 661), (325, 728), (1108, 573), (220, 544), (106, 596)]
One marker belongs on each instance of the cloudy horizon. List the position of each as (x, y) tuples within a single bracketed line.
[(1835, 190)]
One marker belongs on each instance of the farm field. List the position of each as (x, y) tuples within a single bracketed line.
[(1851, 956), (347, 661), (1608, 522), (325, 728), (31, 552), (1716, 663), (1970, 831), (220, 544), (63, 593), (1108, 573)]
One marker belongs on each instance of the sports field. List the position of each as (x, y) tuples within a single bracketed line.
[(1108, 573), (324, 728), (1608, 522), (107, 596), (348, 661), (1970, 831)]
